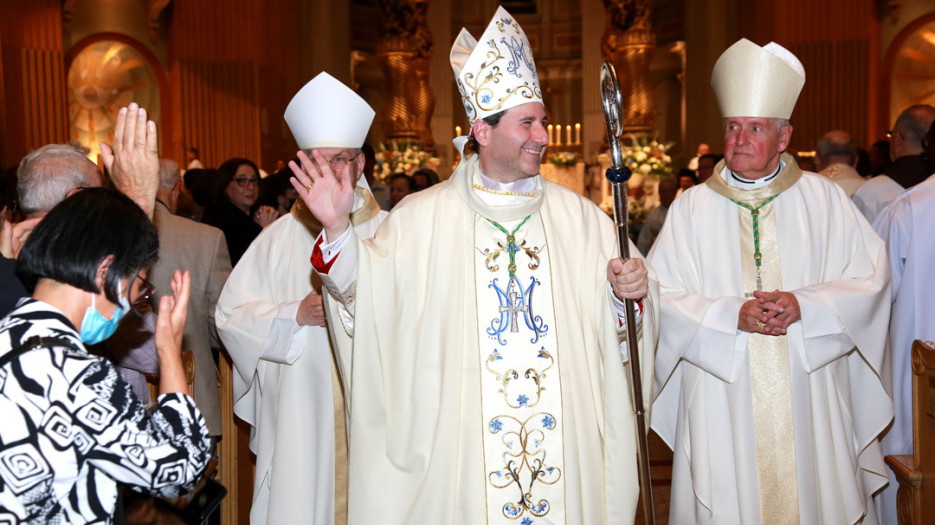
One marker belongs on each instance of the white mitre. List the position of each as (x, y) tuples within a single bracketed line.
[(497, 73), (327, 114), (754, 81)]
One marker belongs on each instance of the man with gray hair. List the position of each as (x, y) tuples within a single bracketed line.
[(769, 383), (908, 167), (49, 174), (836, 157)]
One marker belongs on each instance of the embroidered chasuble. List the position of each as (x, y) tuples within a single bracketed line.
[(487, 375), (771, 429), (520, 382)]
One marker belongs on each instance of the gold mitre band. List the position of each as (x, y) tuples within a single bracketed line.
[(497, 72), (754, 81)]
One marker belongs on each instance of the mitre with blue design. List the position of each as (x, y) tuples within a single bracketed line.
[(497, 72), (754, 81)]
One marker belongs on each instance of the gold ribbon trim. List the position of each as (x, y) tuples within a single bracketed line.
[(789, 176)]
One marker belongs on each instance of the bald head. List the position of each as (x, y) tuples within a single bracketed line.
[(47, 175), (835, 147), (910, 129)]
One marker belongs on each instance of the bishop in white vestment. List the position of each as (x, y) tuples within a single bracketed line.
[(286, 384), (487, 374), (774, 306)]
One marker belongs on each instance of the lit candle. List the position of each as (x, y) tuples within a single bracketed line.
[(457, 131), (551, 140), (568, 135), (578, 133), (558, 134)]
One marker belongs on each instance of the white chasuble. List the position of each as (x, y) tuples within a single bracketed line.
[(758, 423), (520, 375), (441, 430)]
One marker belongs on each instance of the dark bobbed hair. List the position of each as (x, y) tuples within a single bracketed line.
[(70, 242), (226, 172)]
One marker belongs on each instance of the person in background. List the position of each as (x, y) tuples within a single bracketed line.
[(235, 210), (836, 158), (379, 190), (687, 178), (192, 162), (400, 186), (657, 217), (424, 178), (706, 165)]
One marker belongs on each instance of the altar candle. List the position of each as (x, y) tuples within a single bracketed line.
[(457, 131), (558, 134), (551, 140), (568, 134), (578, 133)]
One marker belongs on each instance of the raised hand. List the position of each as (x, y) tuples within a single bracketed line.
[(170, 325), (328, 195), (133, 160)]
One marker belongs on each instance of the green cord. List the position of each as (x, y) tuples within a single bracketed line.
[(511, 247), (757, 256)]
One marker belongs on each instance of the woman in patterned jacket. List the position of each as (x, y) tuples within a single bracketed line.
[(71, 427)]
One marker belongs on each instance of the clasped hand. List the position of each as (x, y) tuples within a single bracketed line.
[(769, 313), (629, 280)]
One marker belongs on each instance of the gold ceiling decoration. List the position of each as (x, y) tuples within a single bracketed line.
[(102, 78), (913, 77)]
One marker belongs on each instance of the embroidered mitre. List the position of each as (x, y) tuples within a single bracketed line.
[(327, 114), (497, 72), (754, 81)]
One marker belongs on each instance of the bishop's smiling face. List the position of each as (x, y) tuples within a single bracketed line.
[(513, 149)]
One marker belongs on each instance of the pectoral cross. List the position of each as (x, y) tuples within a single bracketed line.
[(512, 309)]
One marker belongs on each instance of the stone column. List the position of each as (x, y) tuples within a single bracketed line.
[(405, 55), (629, 42)]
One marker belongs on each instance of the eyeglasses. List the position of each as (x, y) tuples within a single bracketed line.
[(243, 182), (141, 304), (338, 161)]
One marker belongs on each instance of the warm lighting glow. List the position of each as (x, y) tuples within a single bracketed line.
[(551, 135), (578, 133), (568, 135), (457, 131)]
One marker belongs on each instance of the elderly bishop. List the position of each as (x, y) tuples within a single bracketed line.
[(270, 317), (488, 369), (775, 303)]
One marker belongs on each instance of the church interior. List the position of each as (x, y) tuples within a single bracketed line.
[(217, 75)]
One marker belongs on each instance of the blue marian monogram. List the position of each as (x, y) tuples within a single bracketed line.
[(515, 301)]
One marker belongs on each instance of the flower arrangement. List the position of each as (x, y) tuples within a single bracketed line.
[(647, 156), (398, 156), (564, 159)]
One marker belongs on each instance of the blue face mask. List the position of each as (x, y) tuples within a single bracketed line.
[(95, 328)]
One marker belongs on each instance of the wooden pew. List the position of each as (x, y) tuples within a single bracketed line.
[(915, 500)]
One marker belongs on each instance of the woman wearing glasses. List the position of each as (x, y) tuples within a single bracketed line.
[(72, 429), (235, 210)]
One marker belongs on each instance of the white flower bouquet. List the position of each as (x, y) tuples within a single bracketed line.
[(396, 156)]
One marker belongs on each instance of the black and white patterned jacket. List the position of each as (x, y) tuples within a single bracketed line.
[(70, 429)]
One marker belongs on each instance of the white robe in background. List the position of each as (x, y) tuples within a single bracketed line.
[(874, 194), (835, 264), (283, 373), (415, 368), (906, 226)]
